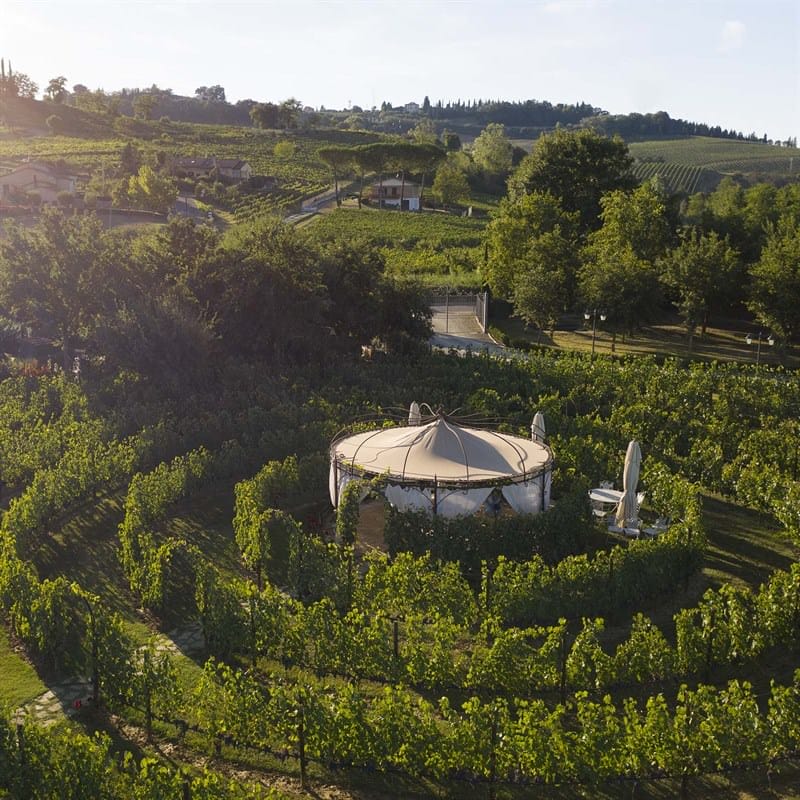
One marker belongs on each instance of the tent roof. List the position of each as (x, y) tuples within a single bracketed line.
[(443, 451)]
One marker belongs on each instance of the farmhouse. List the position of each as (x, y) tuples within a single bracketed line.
[(231, 168), (36, 179), (397, 193)]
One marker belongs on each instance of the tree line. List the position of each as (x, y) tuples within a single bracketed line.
[(173, 303), (576, 230)]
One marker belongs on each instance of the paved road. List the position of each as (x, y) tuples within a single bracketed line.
[(455, 326)]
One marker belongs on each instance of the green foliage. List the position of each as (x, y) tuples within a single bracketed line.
[(492, 150), (51, 275), (776, 281), (578, 168), (151, 191), (450, 184)]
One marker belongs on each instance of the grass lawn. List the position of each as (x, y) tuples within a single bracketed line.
[(19, 681), (723, 343)]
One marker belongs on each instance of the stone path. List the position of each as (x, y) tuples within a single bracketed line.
[(59, 701), (187, 640), (62, 699)]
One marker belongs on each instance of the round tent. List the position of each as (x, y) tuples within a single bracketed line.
[(445, 468)]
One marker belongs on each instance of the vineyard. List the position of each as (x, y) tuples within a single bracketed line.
[(431, 247), (496, 657), (297, 177), (677, 177), (718, 155)]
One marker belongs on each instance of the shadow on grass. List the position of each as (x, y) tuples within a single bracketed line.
[(744, 546), (85, 550)]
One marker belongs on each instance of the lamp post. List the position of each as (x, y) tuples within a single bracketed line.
[(759, 338), (592, 315)]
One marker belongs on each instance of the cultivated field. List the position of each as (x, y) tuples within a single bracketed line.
[(434, 247)]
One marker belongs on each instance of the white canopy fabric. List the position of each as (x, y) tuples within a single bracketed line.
[(445, 468), (344, 478), (442, 452), (628, 506), (525, 498), (461, 502), (407, 498)]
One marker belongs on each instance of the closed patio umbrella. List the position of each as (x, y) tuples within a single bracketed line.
[(537, 427), (626, 509)]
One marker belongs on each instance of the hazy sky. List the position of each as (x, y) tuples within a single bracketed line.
[(725, 62)]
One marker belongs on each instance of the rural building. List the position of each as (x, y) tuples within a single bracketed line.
[(396, 193), (231, 168), (36, 178)]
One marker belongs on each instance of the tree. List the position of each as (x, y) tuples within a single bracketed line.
[(637, 218), (339, 160), (152, 191), (52, 275), (512, 232), (634, 234), (450, 184), (289, 112), (22, 86), (698, 272), (144, 105), (424, 132), (130, 159), (451, 141), (542, 290), (55, 124), (284, 149), (210, 94), (56, 89), (623, 285), (492, 150), (265, 115), (775, 287), (578, 167)]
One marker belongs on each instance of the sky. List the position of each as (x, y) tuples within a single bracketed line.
[(724, 62)]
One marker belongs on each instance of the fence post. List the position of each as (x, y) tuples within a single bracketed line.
[(493, 756), (301, 745)]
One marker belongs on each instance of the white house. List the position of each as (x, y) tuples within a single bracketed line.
[(397, 194), (36, 178), (232, 168)]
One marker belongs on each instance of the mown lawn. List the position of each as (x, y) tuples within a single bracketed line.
[(19, 681), (725, 341)]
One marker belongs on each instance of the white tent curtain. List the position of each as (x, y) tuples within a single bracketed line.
[(408, 499), (461, 502), (525, 498), (548, 486), (344, 479)]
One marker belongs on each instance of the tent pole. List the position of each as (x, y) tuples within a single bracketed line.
[(435, 496), (543, 482)]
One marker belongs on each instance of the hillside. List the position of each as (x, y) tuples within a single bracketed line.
[(698, 163)]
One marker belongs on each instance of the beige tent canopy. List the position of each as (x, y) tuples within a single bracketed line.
[(444, 467)]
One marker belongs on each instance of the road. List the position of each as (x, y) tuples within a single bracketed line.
[(455, 326)]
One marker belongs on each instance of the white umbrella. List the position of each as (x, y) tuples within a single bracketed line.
[(626, 509), (414, 415), (537, 427)]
